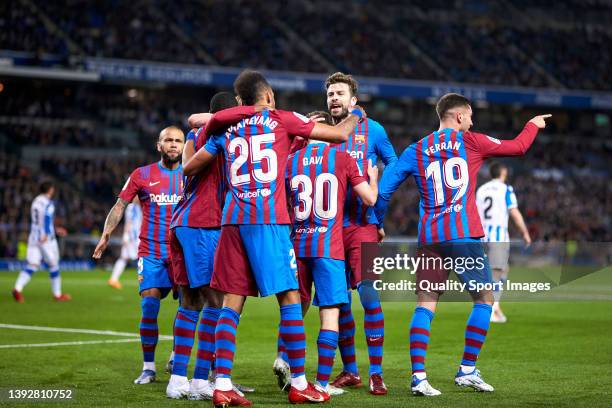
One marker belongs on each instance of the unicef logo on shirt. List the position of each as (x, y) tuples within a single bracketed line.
[(265, 192), (458, 207)]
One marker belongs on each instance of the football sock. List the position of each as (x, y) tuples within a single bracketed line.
[(23, 278), (281, 351), (184, 332), (225, 344), (292, 333), (327, 342), (373, 324), (148, 330), (56, 281), (118, 269), (346, 338), (206, 342), (476, 332), (419, 339)]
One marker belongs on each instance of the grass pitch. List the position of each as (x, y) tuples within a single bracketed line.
[(548, 354)]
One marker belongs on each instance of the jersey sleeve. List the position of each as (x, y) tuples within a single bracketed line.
[(191, 135), (353, 172), (215, 144), (384, 148), (489, 146), (296, 124), (131, 187), (511, 198), (393, 176), (227, 117)]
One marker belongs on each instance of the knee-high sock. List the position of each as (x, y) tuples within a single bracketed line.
[(292, 333), (184, 333), (148, 329), (281, 350), (206, 342), (225, 342), (56, 281), (327, 342), (346, 338), (476, 332), (23, 278), (373, 324), (118, 268), (419, 338)]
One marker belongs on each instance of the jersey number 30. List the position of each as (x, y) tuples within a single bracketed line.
[(453, 175), (323, 210), (256, 146)]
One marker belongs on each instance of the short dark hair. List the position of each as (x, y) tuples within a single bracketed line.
[(342, 78), (450, 101), (222, 100), (249, 85), (45, 186), (495, 169), (326, 116)]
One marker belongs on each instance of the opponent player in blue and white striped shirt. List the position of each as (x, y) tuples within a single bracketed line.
[(496, 201), (42, 244)]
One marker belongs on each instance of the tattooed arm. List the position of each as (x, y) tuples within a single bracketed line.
[(112, 220)]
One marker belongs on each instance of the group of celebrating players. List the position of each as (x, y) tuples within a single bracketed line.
[(261, 201)]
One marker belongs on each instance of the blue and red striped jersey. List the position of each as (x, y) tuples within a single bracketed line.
[(445, 166), (159, 191), (203, 194), (369, 141), (255, 152), (318, 177)]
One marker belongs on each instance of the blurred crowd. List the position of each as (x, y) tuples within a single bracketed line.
[(521, 42), (562, 184)]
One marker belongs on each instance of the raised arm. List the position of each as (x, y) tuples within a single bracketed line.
[(491, 147), (200, 160), (112, 220), (190, 142), (340, 132)]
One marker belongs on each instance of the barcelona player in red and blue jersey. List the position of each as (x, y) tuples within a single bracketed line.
[(159, 188), (367, 143), (255, 254), (318, 177), (445, 166), (194, 234)]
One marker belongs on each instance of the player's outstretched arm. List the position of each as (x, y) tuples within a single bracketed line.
[(340, 132), (491, 147), (198, 162), (189, 148), (518, 220), (393, 176), (368, 191), (197, 120), (112, 220)]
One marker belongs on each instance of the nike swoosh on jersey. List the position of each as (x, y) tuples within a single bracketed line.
[(151, 184)]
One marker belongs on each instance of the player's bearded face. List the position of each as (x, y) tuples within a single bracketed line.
[(171, 148), (339, 100)]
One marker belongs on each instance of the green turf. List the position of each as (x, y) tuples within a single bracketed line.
[(549, 354)]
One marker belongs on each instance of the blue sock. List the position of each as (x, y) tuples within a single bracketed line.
[(148, 327), (206, 342), (184, 332), (373, 324), (476, 332), (327, 342), (346, 339), (419, 338), (225, 341), (292, 332)]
